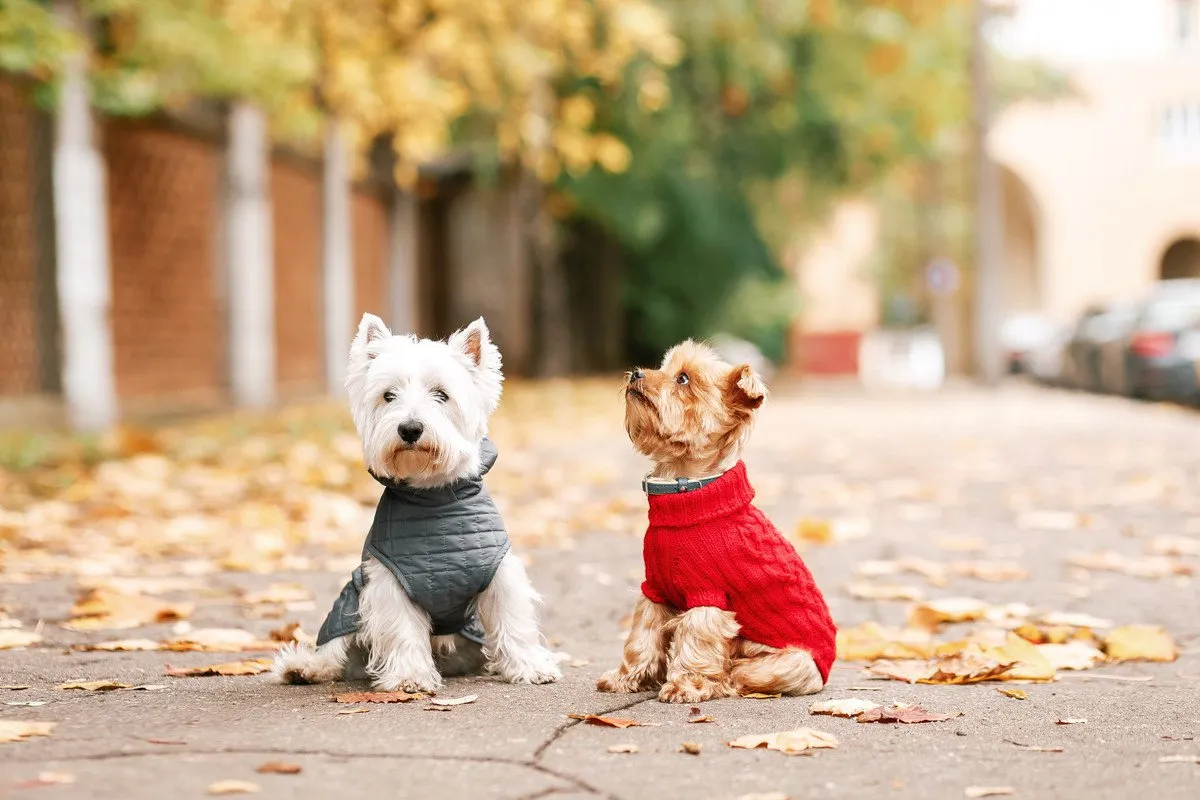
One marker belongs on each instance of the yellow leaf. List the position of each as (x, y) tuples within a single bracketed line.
[(1026, 662), (233, 787), (255, 666), (1016, 694), (1140, 643), (788, 742), (869, 642), (13, 638), (933, 614), (817, 531), (1075, 654), (12, 730), (102, 609), (849, 707), (611, 153), (120, 645), (94, 686)]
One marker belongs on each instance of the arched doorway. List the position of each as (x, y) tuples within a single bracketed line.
[(1181, 260), (1022, 278)]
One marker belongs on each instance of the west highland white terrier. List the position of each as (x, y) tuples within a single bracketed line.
[(439, 591)]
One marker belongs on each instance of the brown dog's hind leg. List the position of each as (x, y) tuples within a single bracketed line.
[(644, 664), (699, 667), (769, 670)]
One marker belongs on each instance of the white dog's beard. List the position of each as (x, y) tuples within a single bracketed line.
[(428, 464)]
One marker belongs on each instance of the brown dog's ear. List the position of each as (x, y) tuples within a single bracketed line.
[(744, 388)]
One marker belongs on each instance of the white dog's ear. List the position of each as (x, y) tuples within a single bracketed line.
[(475, 343), (371, 331)]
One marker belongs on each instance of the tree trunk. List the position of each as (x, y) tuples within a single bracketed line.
[(81, 213), (989, 225), (250, 260), (337, 257)]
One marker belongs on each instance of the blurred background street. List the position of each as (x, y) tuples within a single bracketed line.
[(959, 238)]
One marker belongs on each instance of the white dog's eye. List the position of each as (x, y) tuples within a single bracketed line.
[(440, 395), (682, 380), (389, 396)]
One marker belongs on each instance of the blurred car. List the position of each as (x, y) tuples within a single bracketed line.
[(1021, 335), (1160, 359), (1045, 362), (1099, 327)]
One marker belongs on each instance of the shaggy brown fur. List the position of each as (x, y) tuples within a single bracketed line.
[(692, 418)]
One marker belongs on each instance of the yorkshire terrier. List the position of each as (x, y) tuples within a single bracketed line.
[(438, 592), (728, 607)]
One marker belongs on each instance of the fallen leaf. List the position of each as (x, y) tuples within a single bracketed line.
[(623, 748), (437, 708), (762, 696), (278, 768), (1026, 662), (165, 741), (281, 593), (1137, 566), (987, 791), (1016, 694), (1190, 758), (120, 645), (254, 666), (26, 703), (901, 713), (1074, 620), (1140, 643), (933, 614), (376, 697), (970, 666), (870, 642), (1072, 721), (15, 687), (932, 571), (695, 715), (850, 707), (93, 686), (1074, 655), (354, 711), (691, 748), (45, 779), (765, 796), (218, 640), (962, 544), (453, 701), (815, 531), (611, 722), (1034, 748), (285, 633), (867, 590), (990, 571), (13, 638), (1052, 521), (103, 609), (149, 687), (233, 787), (1173, 546), (12, 730), (793, 742)]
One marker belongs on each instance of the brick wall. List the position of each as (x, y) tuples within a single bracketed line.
[(168, 327), (369, 225), (296, 211), (19, 368)]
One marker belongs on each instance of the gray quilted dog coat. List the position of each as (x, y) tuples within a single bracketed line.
[(443, 545)]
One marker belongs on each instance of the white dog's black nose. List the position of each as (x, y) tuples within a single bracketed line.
[(410, 432)]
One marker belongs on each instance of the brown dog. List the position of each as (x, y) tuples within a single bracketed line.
[(728, 607)]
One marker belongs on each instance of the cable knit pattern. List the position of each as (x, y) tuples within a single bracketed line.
[(711, 547)]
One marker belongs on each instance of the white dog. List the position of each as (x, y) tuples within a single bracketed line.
[(437, 560)]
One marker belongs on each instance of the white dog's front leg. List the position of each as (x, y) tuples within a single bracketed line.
[(508, 612), (303, 663), (395, 632)]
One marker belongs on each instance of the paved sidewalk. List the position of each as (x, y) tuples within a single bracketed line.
[(1035, 477)]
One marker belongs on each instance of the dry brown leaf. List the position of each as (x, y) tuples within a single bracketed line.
[(279, 768), (285, 633), (867, 590), (794, 742), (1140, 643), (1136, 566), (695, 715), (14, 638), (253, 666), (932, 571), (165, 741), (1074, 620), (1016, 694), (120, 645), (12, 730), (987, 791), (1072, 721), (933, 614), (376, 697), (901, 713), (94, 686), (103, 609), (691, 748), (15, 687), (849, 707), (1173, 546), (1075, 655), (610, 722), (1189, 758), (233, 787), (762, 696), (354, 711), (990, 571), (962, 544), (623, 748), (870, 642), (972, 665), (218, 640), (1026, 662), (281, 593), (1035, 748), (816, 531), (453, 701)]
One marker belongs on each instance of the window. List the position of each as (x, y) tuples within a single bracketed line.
[(1179, 131), (1187, 23)]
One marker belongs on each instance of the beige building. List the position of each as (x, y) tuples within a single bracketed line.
[(1102, 190)]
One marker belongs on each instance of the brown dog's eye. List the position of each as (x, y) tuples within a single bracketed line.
[(682, 380), (389, 396)]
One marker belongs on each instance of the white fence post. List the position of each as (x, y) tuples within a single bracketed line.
[(337, 258)]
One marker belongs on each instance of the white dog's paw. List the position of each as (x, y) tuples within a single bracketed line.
[(411, 683), (304, 664), (535, 665)]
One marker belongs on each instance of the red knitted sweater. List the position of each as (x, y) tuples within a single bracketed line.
[(711, 547)]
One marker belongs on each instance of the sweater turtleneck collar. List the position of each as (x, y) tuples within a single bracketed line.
[(726, 495)]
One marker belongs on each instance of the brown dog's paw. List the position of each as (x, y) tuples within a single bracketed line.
[(617, 682), (692, 689)]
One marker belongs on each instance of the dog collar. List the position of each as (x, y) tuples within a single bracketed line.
[(656, 486)]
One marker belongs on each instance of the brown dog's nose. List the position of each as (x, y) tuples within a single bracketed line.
[(636, 375)]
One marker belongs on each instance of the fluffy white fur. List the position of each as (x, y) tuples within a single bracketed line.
[(450, 389)]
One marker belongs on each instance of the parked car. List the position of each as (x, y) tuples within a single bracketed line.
[(1099, 327), (1160, 359), (1045, 363)]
